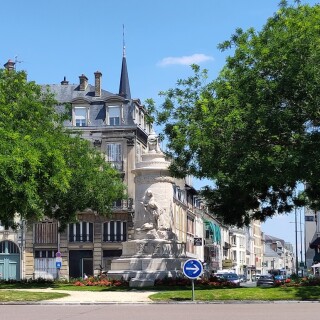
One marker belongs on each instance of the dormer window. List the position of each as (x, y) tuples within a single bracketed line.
[(80, 116), (114, 113)]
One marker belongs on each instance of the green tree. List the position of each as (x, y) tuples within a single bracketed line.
[(46, 170), (255, 130)]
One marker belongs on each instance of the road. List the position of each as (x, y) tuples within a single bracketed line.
[(177, 311)]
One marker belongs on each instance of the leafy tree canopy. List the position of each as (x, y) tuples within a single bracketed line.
[(255, 130), (46, 170)]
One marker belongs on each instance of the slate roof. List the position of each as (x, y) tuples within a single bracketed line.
[(268, 252), (70, 92), (269, 239)]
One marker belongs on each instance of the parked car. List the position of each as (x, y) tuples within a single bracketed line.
[(242, 278), (280, 278), (232, 277), (266, 280), (218, 276)]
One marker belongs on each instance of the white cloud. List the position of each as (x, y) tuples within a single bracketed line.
[(185, 60)]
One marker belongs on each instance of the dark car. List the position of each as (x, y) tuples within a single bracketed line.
[(266, 280), (232, 277)]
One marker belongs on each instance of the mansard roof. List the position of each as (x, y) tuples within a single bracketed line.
[(70, 92)]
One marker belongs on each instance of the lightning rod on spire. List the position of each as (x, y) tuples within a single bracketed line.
[(124, 46)]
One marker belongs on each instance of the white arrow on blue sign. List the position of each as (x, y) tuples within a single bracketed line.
[(192, 268)]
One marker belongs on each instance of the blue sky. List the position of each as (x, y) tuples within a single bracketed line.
[(53, 39)]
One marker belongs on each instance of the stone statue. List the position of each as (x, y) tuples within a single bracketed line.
[(151, 211), (153, 143), (157, 223)]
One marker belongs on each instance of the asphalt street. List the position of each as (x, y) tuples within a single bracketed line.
[(156, 311)]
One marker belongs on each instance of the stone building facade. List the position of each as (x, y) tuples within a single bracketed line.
[(116, 125)]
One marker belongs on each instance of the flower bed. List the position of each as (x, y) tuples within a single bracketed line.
[(93, 281)]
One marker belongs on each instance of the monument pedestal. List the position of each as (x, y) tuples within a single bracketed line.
[(144, 261), (155, 252)]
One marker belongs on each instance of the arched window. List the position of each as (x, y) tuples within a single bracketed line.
[(8, 247)]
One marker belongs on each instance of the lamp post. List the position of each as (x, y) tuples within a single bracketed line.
[(301, 258), (296, 232)]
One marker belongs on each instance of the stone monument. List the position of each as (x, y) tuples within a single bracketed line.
[(154, 252)]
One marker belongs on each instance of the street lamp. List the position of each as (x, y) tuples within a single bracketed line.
[(296, 232), (296, 238), (301, 258)]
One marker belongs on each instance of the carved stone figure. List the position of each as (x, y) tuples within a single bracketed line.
[(151, 211), (153, 143), (156, 221)]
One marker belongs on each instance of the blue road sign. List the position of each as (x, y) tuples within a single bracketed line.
[(58, 264), (192, 268)]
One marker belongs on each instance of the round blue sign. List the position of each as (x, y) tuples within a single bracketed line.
[(192, 268)]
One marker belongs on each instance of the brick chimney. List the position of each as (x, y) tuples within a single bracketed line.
[(9, 65), (64, 82), (97, 83), (83, 82)]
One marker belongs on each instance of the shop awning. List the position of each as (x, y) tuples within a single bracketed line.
[(214, 230), (315, 244)]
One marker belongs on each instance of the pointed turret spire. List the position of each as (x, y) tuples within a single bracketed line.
[(124, 88)]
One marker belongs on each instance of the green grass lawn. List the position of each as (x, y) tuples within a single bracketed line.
[(242, 294), (167, 293), (17, 295)]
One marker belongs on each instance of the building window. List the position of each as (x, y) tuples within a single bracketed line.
[(190, 225), (114, 115), (114, 155), (115, 231), (138, 152), (45, 253), (136, 115), (80, 116), (234, 255), (81, 232), (309, 218), (45, 264), (46, 232), (190, 234), (8, 247)]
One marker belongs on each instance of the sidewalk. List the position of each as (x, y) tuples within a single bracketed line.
[(90, 297)]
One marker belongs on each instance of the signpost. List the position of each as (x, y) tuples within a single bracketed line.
[(58, 263), (192, 269)]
